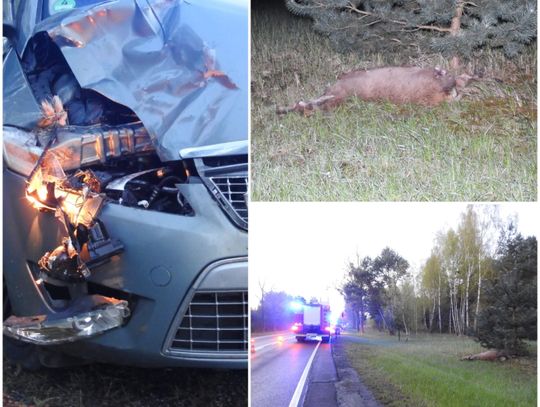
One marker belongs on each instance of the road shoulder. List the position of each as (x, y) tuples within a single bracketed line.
[(321, 390), (350, 391)]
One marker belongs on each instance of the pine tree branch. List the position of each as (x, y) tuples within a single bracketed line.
[(354, 9)]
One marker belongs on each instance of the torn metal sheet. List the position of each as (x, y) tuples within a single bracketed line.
[(20, 150), (77, 203), (20, 106), (178, 65)]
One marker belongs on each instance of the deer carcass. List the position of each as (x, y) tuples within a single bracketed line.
[(487, 355), (423, 86)]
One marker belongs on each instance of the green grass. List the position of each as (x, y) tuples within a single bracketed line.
[(427, 371), (482, 148)]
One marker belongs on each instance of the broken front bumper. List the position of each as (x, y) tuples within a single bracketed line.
[(166, 256)]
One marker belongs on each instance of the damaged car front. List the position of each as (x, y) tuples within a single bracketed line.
[(125, 182)]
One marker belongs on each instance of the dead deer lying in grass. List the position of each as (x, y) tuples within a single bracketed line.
[(487, 355), (423, 86)]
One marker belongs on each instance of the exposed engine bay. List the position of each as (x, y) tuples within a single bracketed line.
[(85, 151)]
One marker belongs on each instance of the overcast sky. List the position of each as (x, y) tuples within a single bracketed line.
[(303, 248)]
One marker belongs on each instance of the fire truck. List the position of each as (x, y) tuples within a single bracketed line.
[(312, 322)]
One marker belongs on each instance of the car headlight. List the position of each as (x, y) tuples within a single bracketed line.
[(42, 330)]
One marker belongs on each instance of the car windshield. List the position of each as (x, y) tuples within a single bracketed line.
[(57, 6)]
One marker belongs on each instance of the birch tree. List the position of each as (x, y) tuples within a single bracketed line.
[(470, 247), (432, 281), (450, 260)]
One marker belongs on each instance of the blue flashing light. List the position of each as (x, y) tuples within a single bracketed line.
[(296, 306)]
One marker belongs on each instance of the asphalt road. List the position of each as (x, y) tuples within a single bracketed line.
[(286, 373)]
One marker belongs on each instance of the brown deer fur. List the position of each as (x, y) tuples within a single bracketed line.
[(487, 355), (423, 86)]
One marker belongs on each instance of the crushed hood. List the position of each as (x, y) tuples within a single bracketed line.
[(181, 66)]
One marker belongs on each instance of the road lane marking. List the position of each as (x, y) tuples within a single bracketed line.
[(264, 346), (272, 343), (268, 336), (300, 387)]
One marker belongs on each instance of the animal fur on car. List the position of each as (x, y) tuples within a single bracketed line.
[(53, 113), (423, 86)]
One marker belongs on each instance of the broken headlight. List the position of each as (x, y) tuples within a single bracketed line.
[(44, 330)]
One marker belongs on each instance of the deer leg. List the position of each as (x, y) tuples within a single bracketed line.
[(321, 100), (306, 108), (285, 109)]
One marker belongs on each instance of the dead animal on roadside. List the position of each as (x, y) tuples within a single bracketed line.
[(423, 86), (487, 355)]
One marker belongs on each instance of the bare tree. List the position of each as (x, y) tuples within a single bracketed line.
[(262, 285)]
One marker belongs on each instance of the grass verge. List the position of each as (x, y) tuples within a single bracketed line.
[(482, 148), (107, 386), (427, 371)]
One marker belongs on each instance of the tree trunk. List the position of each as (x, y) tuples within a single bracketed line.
[(455, 27), (467, 297), (432, 315), (461, 310), (362, 316), (405, 324), (459, 319), (455, 310), (439, 295), (415, 316), (478, 295), (262, 316), (452, 310), (385, 325)]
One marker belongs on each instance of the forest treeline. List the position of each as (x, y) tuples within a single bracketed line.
[(479, 280)]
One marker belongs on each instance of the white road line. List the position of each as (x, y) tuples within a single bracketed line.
[(268, 336), (272, 343), (264, 346), (298, 392)]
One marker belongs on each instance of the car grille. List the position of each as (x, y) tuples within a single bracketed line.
[(234, 190), (214, 321), (227, 179)]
